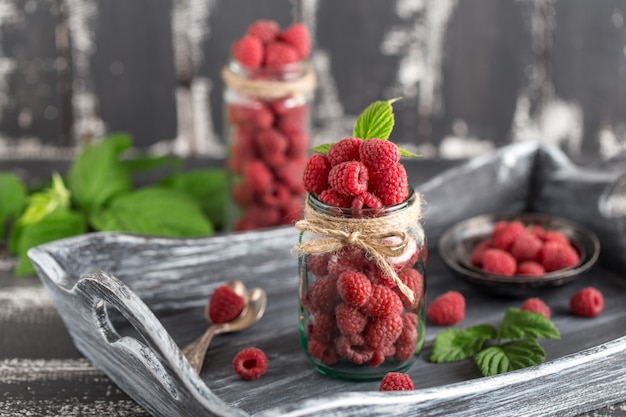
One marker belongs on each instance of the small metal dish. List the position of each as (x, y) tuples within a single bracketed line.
[(457, 243)]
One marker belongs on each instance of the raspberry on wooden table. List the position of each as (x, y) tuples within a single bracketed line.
[(396, 381), (536, 305), (250, 363), (225, 305), (587, 302), (447, 309)]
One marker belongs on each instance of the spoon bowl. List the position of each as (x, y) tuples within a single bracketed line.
[(255, 302)]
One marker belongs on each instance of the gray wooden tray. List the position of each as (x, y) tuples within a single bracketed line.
[(129, 302)]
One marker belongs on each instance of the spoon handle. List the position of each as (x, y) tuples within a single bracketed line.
[(195, 352)]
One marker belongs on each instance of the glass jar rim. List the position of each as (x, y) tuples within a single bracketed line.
[(322, 207)]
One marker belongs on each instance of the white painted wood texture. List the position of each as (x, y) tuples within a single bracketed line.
[(161, 285)]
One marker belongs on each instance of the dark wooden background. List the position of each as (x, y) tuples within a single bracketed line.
[(475, 74)]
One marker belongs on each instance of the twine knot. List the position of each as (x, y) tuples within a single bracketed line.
[(380, 238)]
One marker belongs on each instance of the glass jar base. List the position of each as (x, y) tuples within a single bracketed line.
[(361, 373)]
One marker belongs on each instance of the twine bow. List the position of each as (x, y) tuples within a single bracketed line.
[(379, 237)]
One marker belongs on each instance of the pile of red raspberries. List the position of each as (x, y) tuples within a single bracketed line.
[(358, 174), (516, 249), (269, 139), (356, 311)]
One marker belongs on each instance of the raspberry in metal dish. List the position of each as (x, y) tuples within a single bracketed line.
[(499, 262), (587, 302), (250, 363), (396, 381)]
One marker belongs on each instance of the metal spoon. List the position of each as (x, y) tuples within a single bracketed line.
[(255, 303)]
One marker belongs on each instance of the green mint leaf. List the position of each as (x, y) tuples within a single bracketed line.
[(208, 187), (323, 149), (520, 324), (12, 198), (509, 357), (153, 211), (452, 345), (58, 224), (376, 121), (97, 174), (404, 152), (44, 202)]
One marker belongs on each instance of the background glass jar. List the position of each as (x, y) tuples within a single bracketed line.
[(355, 322), (267, 128)]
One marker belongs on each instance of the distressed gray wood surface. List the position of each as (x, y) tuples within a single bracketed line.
[(475, 75), (583, 372)]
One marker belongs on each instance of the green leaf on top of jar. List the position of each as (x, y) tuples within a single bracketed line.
[(376, 121)]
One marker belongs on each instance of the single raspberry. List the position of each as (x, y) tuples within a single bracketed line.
[(279, 53), (345, 150), (272, 146), (476, 257), (250, 363), (379, 277), (354, 288), (322, 295), (351, 255), (265, 30), (365, 201), (350, 320), (556, 236), (298, 143), (322, 327), (447, 309), (557, 255), (325, 352), (291, 173), (248, 51), (415, 281), (378, 154), (526, 247), (383, 302), (536, 305), (499, 262), (390, 185), (254, 114), (335, 198), (349, 178), (315, 177), (354, 349), (505, 233), (257, 177), (407, 341), (587, 302), (530, 268), (381, 332), (396, 381), (317, 263), (297, 35), (225, 305)]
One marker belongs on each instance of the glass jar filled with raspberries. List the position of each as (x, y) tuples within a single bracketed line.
[(269, 88), (362, 262)]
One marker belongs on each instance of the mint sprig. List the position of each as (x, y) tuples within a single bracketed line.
[(513, 345), (375, 122)]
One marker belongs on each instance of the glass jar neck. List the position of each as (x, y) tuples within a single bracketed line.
[(347, 212), (288, 72)]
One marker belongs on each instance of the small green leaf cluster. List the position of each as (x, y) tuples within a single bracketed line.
[(98, 195), (375, 122), (512, 346)]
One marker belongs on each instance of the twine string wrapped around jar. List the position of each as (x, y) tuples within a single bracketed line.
[(379, 237)]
